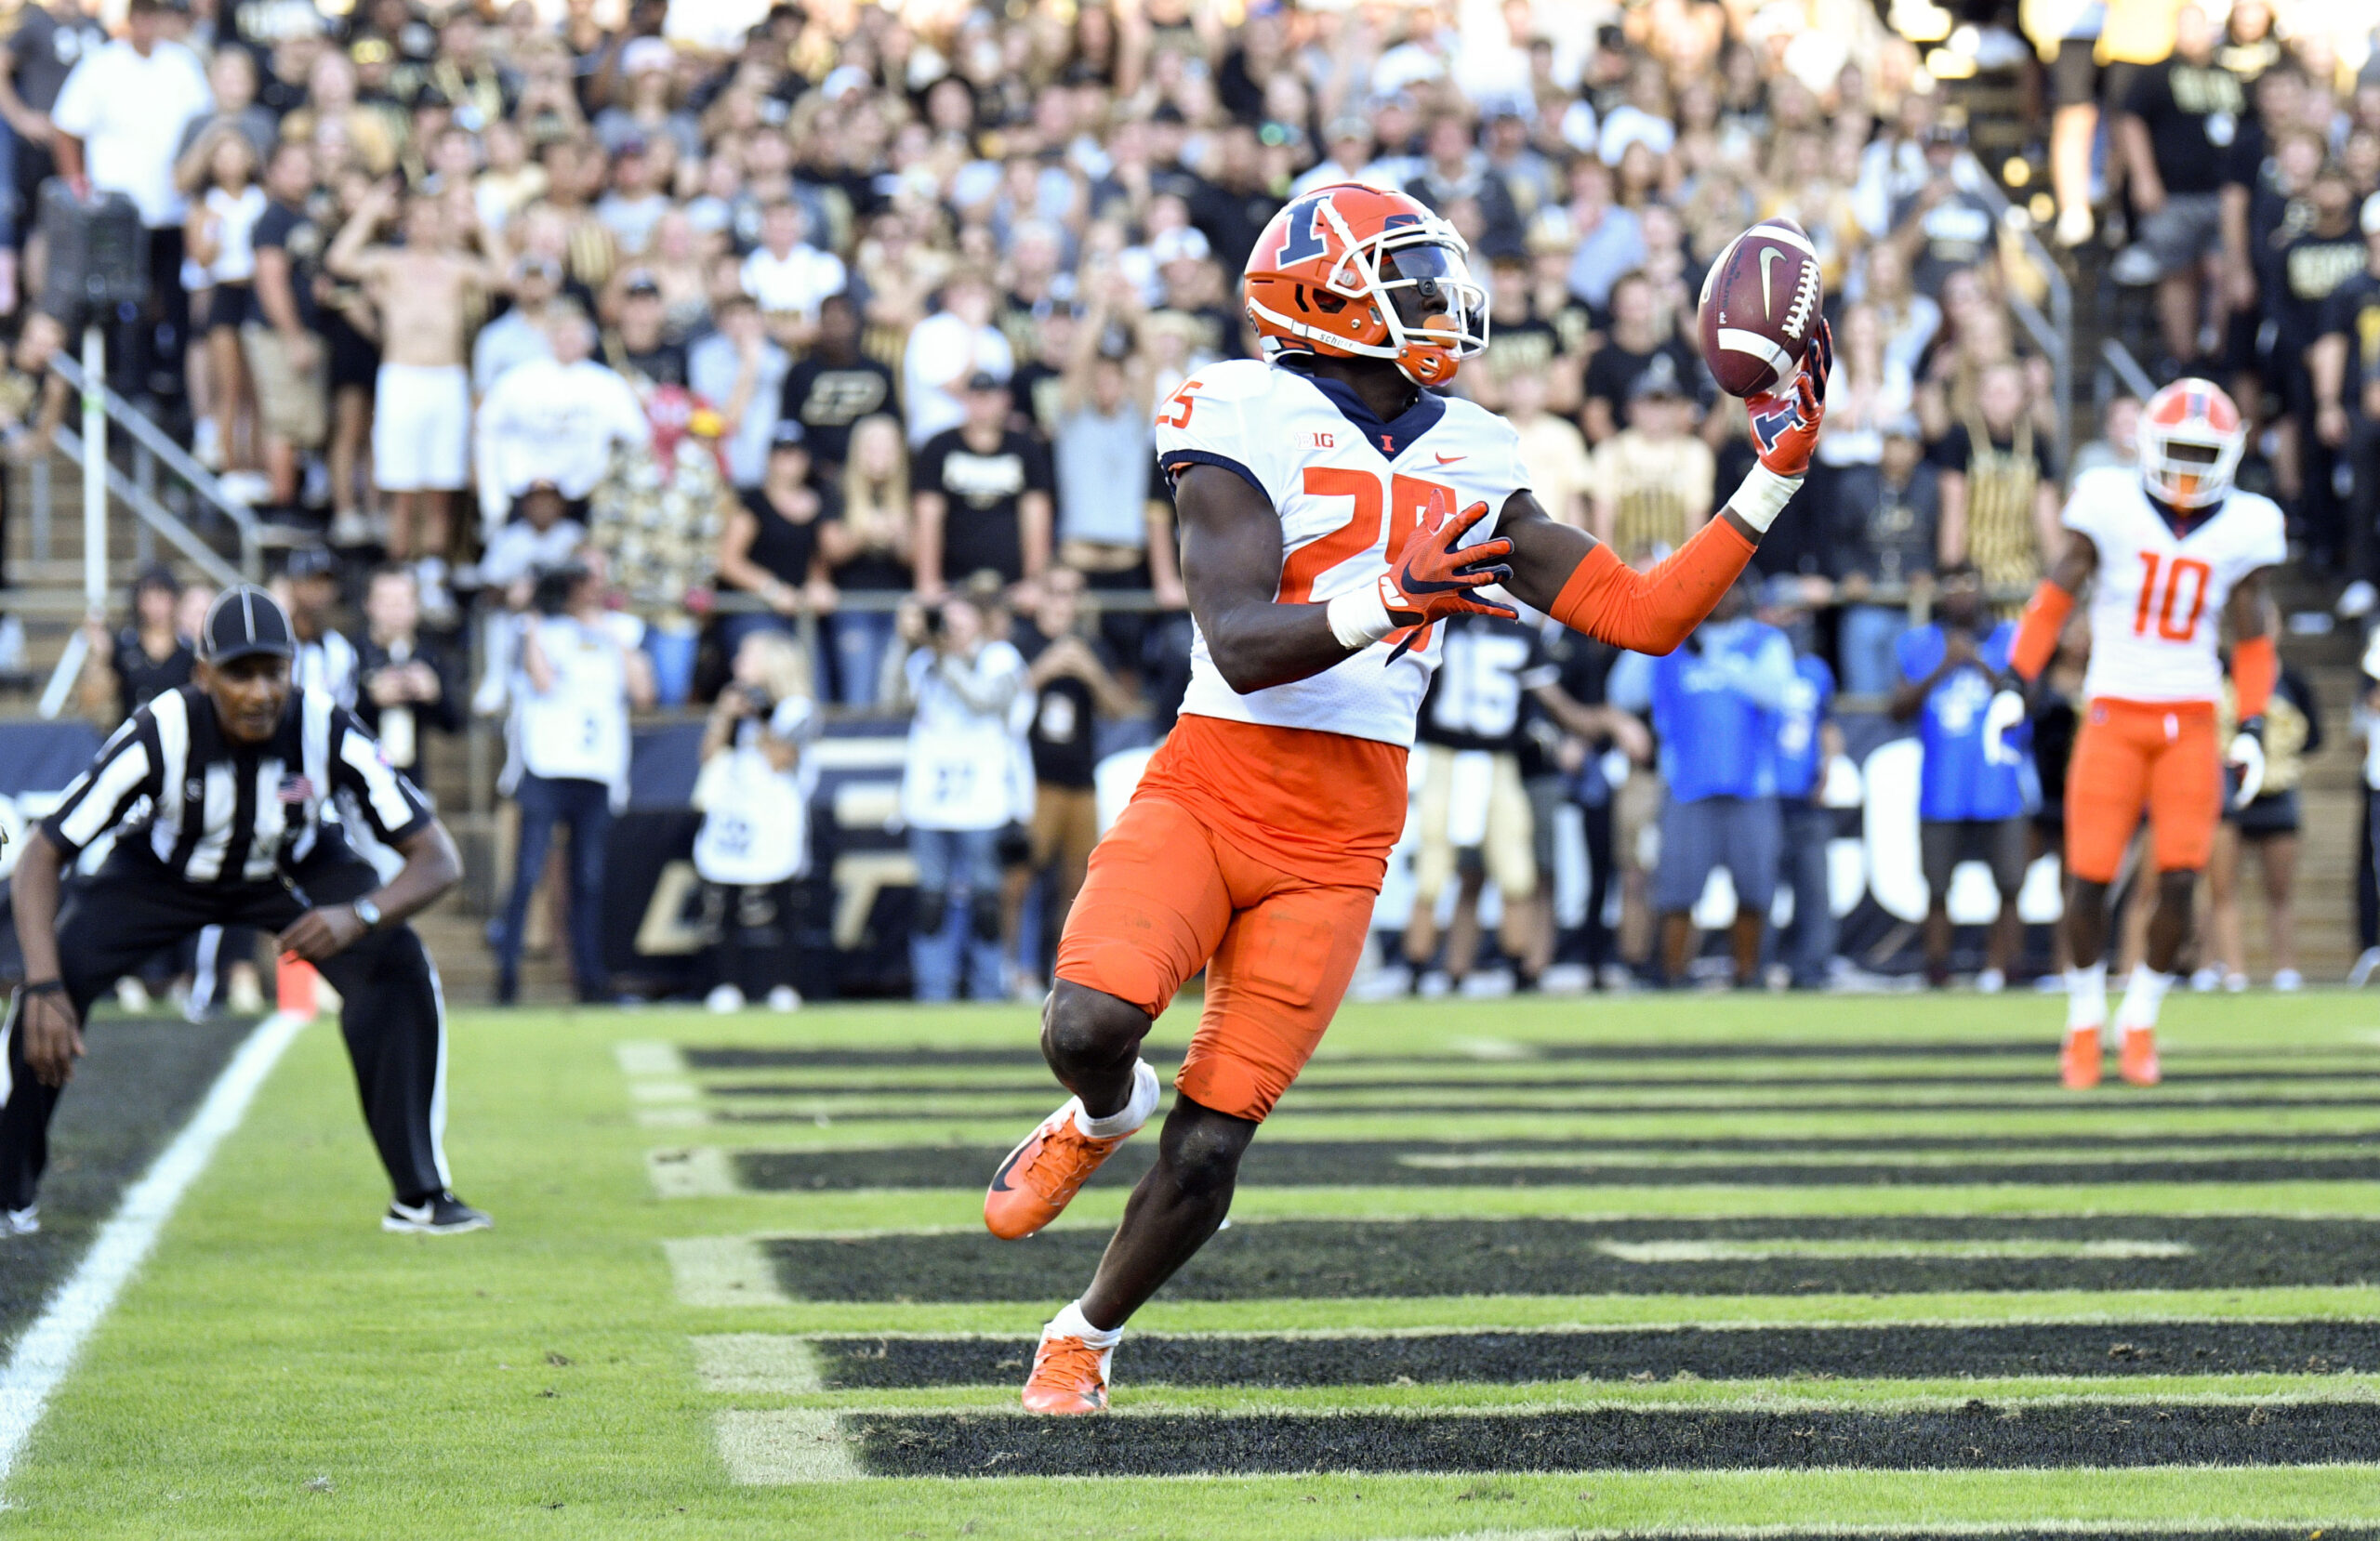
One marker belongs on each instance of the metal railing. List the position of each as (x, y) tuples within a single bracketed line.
[(154, 452)]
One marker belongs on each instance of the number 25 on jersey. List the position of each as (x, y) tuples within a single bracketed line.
[(1412, 504), (2162, 604)]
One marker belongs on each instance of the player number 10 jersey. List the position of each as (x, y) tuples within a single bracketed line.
[(1348, 504), (2157, 600)]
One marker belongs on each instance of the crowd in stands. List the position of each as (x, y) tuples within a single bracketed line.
[(778, 360)]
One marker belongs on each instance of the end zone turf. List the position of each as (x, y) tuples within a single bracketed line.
[(1699, 1272)]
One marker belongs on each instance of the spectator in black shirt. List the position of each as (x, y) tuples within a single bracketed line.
[(2327, 252), (835, 385), (124, 673), (2180, 123), (2344, 370), (778, 543), (47, 38), (640, 350), (1943, 227), (982, 492), (1074, 683), (281, 335), (405, 683), (1456, 171), (1885, 539), (1639, 330)]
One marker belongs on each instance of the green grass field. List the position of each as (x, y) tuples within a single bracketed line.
[(739, 1287)]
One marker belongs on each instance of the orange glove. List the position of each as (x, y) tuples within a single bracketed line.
[(1785, 426), (1429, 581)]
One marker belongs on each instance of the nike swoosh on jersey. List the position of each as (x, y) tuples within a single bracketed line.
[(1451, 459)]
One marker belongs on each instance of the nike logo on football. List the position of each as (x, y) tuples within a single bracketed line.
[(1451, 459)]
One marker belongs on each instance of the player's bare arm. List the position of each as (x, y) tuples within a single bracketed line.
[(1230, 563), (53, 1035), (431, 867)]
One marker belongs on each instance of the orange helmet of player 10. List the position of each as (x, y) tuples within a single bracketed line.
[(1359, 273), (2190, 439)]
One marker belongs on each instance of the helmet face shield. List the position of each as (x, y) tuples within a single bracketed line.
[(1429, 280)]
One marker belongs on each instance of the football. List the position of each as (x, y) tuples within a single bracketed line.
[(1760, 301)]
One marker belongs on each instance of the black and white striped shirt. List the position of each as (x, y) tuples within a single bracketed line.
[(210, 811)]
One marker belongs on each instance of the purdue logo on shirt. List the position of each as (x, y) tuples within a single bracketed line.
[(983, 479), (842, 397)]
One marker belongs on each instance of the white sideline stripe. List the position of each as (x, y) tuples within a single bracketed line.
[(637, 1056), (722, 1270), (1493, 1049), (793, 1445), (691, 1172), (757, 1363), (48, 1351), (671, 1118), (2012, 1246), (674, 1092)]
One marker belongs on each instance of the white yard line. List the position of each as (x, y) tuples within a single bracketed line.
[(48, 1349)]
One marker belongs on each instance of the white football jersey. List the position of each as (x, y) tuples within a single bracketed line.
[(1348, 502), (2157, 601)]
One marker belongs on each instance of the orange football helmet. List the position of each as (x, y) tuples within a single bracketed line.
[(2190, 439), (1361, 272)]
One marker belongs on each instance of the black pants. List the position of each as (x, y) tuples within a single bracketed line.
[(394, 1019), (749, 936)]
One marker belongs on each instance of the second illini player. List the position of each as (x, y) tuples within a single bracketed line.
[(2174, 553)]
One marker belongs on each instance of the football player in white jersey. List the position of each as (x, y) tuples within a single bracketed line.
[(2174, 553), (1333, 509)]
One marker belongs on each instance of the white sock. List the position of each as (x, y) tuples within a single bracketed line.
[(1069, 1323), (2086, 997), (2142, 996), (1134, 1113)]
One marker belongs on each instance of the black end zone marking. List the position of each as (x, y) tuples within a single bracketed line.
[(1328, 1088), (1310, 1163), (1981, 1436), (1730, 1353), (732, 1057), (1276, 1259), (129, 1098), (926, 1109)]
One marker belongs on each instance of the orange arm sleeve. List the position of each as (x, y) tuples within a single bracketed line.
[(2255, 668), (2045, 617), (1652, 611)]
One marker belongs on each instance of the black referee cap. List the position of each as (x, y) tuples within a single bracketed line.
[(243, 620)]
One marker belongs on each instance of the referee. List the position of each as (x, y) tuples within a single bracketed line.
[(220, 794)]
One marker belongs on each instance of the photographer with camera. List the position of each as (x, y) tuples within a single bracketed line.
[(957, 793), (580, 671), (754, 795)]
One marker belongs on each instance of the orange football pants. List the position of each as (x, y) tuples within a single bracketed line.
[(1168, 896), (2130, 755)]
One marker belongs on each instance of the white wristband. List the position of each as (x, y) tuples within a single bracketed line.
[(1360, 618), (1762, 494)]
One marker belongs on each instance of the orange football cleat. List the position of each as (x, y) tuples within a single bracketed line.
[(2137, 1063), (1041, 1176), (2079, 1068), (1069, 1376)]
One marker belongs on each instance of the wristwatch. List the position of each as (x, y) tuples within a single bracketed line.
[(368, 912)]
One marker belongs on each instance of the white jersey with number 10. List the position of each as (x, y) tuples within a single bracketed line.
[(2157, 600)]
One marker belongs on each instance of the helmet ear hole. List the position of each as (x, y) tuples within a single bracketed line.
[(1330, 304)]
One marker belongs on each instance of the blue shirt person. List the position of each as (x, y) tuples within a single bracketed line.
[(1971, 791)]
